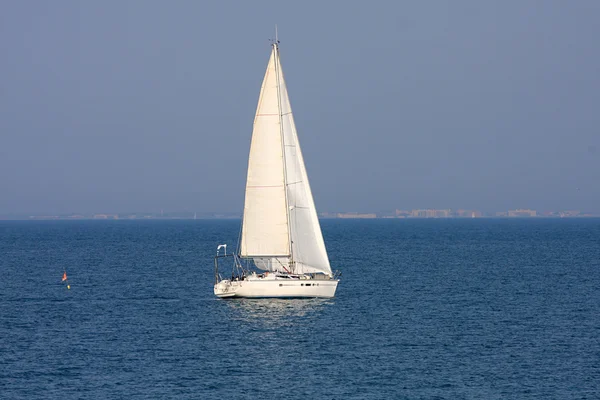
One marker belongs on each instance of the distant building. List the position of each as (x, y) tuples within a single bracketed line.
[(356, 215), (522, 213), (570, 213), (430, 213), (105, 216), (468, 213), (402, 213), (327, 215), (549, 214)]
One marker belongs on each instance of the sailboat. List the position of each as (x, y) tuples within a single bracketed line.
[(280, 233)]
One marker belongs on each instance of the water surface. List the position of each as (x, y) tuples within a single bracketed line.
[(445, 309)]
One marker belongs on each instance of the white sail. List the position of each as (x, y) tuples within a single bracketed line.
[(280, 219), (308, 248), (265, 230)]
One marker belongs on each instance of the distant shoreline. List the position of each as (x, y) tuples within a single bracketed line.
[(60, 218), (421, 213)]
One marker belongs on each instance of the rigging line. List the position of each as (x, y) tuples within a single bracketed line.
[(239, 241), (283, 266)]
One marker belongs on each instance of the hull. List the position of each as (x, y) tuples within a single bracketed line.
[(276, 288)]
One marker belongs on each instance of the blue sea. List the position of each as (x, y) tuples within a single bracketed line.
[(426, 309)]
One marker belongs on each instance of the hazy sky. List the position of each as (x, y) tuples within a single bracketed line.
[(114, 106)]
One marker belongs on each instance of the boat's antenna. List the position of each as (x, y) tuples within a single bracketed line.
[(275, 41)]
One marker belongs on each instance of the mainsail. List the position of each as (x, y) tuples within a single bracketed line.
[(265, 228), (280, 228)]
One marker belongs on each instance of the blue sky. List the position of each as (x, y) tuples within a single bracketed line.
[(145, 105)]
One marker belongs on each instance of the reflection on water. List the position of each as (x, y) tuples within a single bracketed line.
[(275, 312)]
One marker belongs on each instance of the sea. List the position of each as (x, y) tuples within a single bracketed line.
[(426, 309)]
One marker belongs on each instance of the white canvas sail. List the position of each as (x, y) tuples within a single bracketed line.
[(265, 230), (280, 220)]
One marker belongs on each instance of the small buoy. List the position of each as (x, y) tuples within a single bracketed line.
[(68, 286)]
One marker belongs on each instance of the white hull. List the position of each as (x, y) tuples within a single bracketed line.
[(276, 288)]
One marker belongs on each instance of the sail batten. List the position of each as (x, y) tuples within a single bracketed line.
[(279, 211)]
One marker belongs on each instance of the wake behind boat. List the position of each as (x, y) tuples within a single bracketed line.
[(280, 232)]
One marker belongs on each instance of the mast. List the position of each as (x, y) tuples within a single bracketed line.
[(285, 179)]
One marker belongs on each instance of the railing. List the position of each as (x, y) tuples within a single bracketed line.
[(218, 278), (237, 270)]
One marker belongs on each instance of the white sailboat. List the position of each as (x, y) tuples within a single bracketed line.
[(280, 232)]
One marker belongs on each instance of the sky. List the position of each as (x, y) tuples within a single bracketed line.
[(120, 106)]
